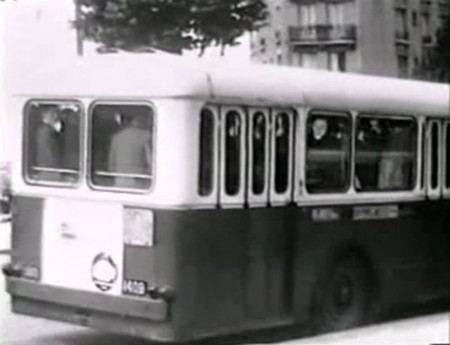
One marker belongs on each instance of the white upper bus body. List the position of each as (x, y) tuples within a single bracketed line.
[(178, 90)]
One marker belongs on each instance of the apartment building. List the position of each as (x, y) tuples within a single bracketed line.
[(380, 37)]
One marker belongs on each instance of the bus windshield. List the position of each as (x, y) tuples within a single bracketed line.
[(121, 146), (53, 142)]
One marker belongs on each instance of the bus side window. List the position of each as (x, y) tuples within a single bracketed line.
[(122, 146), (447, 155), (434, 156), (385, 157), (206, 162), (281, 135), (328, 153), (52, 142), (232, 152), (259, 143)]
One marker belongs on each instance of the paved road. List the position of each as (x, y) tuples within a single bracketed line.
[(23, 330)]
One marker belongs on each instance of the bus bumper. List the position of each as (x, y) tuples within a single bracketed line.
[(119, 314)]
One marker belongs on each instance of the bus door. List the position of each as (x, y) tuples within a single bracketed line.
[(269, 187)]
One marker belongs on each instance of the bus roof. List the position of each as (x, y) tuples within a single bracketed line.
[(123, 75), (113, 75), (315, 88)]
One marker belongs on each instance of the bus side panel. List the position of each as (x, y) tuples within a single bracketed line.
[(230, 271), (402, 254), (27, 231)]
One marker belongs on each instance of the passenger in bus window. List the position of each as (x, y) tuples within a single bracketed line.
[(393, 169), (319, 130), (130, 153), (47, 155), (328, 154), (69, 138), (259, 153)]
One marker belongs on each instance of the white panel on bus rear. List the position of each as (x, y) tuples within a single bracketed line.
[(82, 245)]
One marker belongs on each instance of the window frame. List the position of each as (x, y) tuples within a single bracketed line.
[(226, 200), (285, 197), (89, 133), (25, 143), (260, 199), (416, 158), (216, 141), (349, 186), (434, 193), (446, 159)]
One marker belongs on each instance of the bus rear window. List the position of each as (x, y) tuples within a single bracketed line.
[(52, 142), (122, 146)]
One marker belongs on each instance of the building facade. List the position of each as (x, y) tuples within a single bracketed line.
[(380, 37)]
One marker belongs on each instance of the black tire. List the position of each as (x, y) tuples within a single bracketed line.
[(342, 297)]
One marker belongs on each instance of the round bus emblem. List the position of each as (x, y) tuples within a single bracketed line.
[(103, 272)]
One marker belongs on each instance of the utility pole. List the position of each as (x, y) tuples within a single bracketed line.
[(78, 28)]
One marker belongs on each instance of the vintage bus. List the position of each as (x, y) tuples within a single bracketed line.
[(161, 199)]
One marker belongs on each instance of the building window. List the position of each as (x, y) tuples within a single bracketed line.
[(308, 15), (414, 18), (337, 61), (232, 152), (328, 153), (278, 38), (308, 60), (279, 58), (262, 43), (385, 156), (206, 161), (402, 66), (426, 29), (401, 24), (122, 146), (53, 142), (336, 14)]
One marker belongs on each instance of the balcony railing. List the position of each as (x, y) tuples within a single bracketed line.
[(401, 35), (322, 35)]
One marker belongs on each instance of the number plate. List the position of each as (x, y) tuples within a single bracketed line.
[(134, 287)]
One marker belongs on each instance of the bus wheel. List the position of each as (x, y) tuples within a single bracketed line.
[(342, 297)]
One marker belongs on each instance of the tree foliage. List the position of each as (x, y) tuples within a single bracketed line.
[(436, 65), (170, 25)]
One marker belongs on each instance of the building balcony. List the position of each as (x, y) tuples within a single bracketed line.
[(402, 36), (323, 35)]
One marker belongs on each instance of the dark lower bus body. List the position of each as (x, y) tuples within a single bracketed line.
[(221, 271)]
